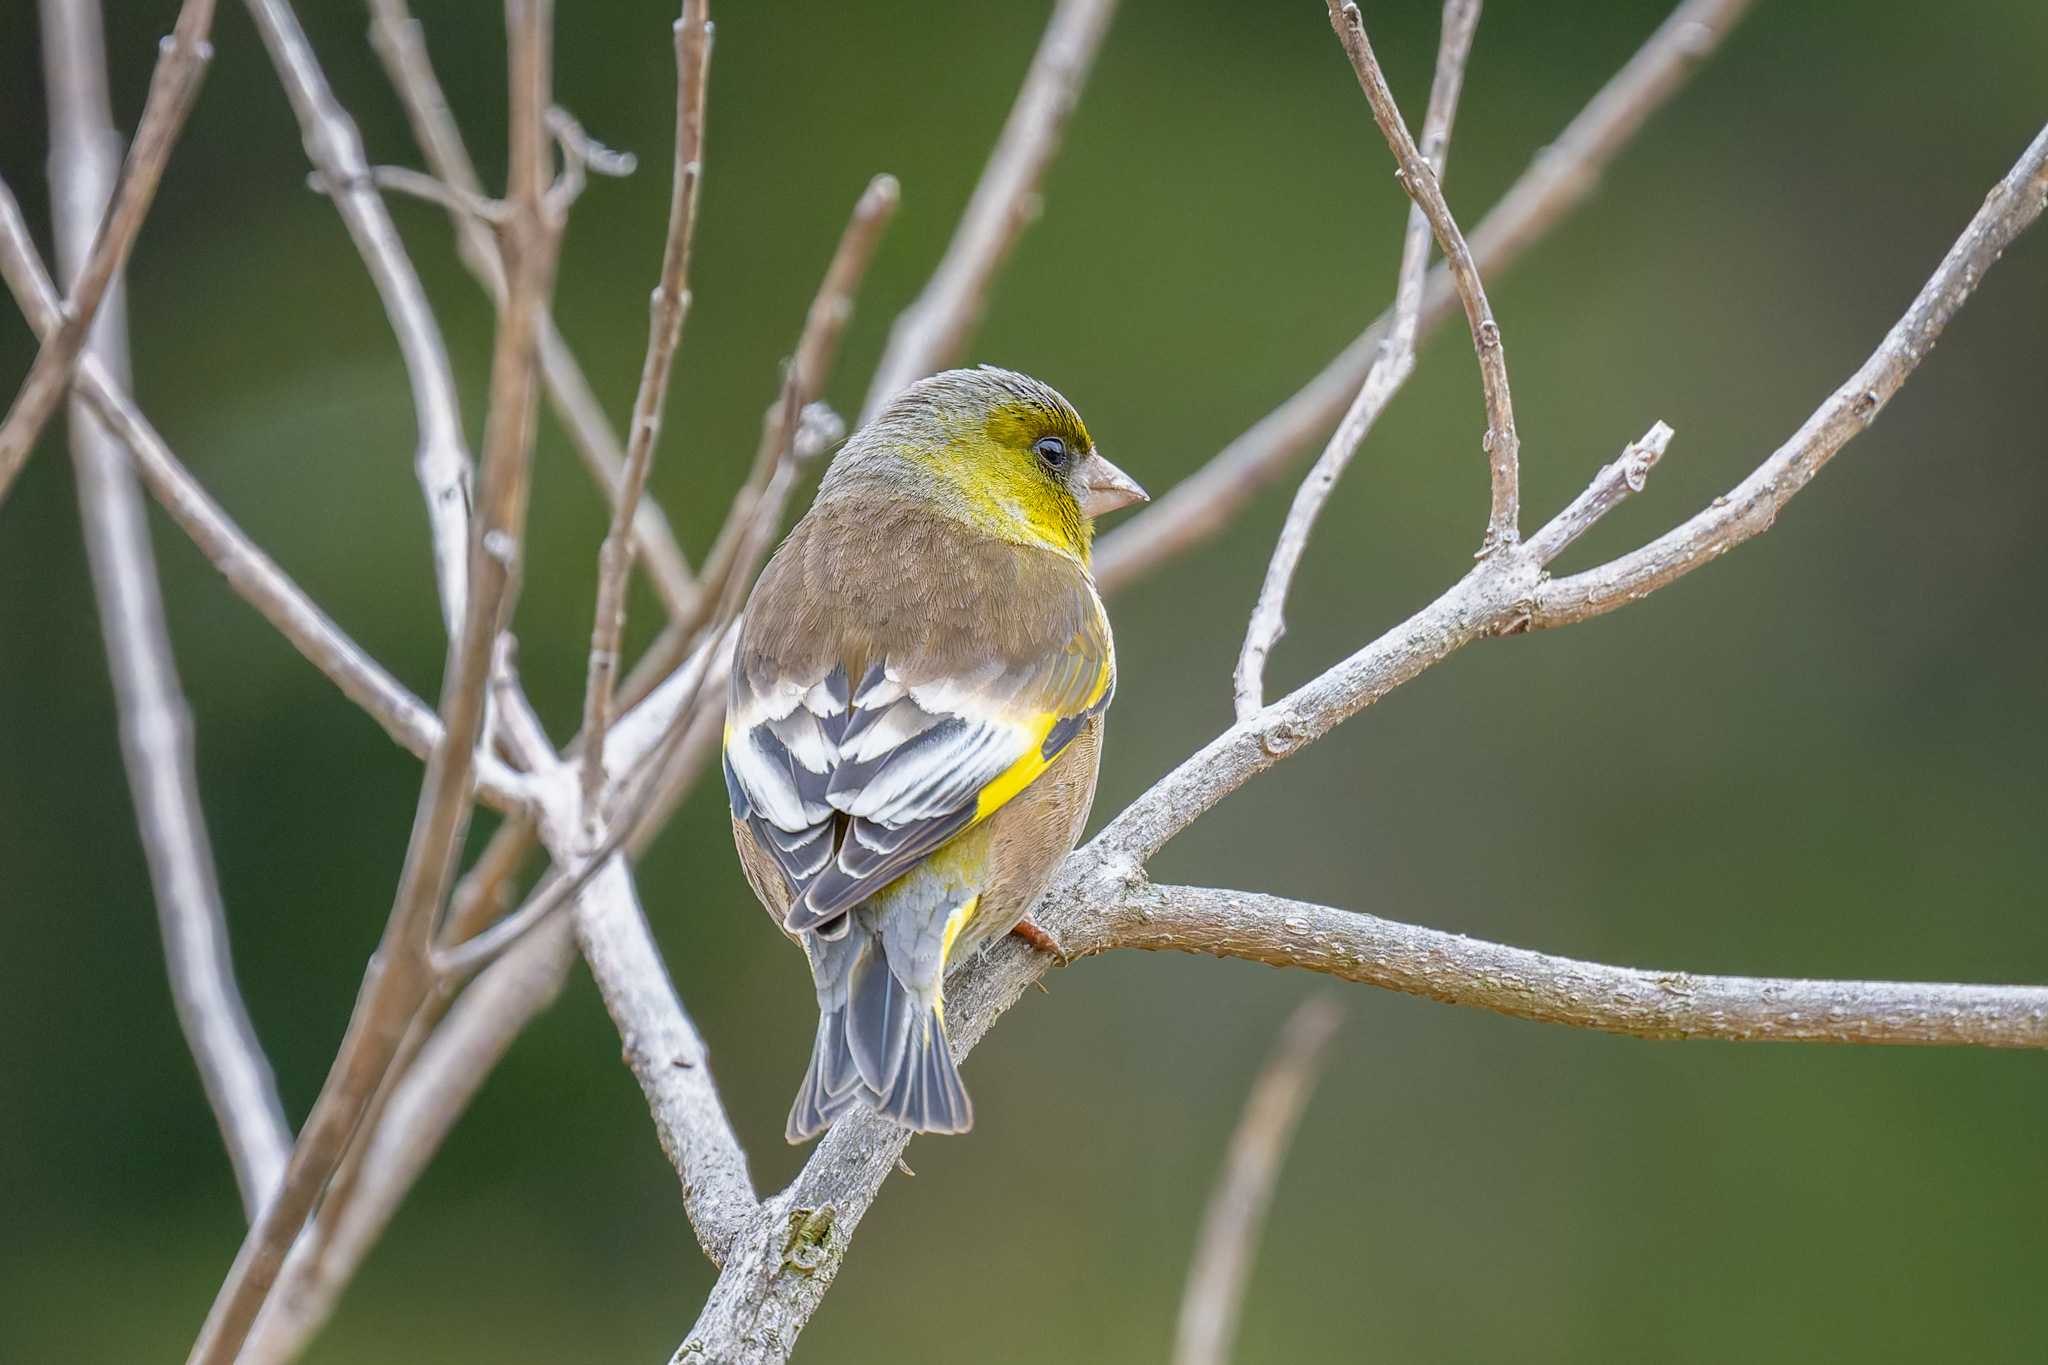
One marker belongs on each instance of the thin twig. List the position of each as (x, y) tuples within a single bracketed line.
[(156, 722), (1502, 444), (932, 330), (250, 573), (181, 62), (1628, 474), (1751, 507), (1389, 372), (1229, 1240), (789, 433), (401, 46), (441, 461), (667, 308), (1560, 179), (401, 976)]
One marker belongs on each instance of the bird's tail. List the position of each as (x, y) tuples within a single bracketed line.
[(881, 1042)]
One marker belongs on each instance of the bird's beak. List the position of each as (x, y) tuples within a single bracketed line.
[(1108, 488)]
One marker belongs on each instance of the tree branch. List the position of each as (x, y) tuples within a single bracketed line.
[(1562, 177), (1418, 177), (931, 331), (1229, 1238), (1750, 508), (252, 574), (400, 976), (780, 1269), (1395, 363), (156, 723), (401, 46), (441, 460), (667, 307), (181, 62)]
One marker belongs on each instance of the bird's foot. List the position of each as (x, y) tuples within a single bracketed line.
[(1034, 934)]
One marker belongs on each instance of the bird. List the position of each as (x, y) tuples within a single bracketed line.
[(915, 719)]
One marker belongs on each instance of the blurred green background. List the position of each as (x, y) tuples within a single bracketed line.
[(1822, 757)]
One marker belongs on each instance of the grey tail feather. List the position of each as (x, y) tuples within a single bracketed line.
[(877, 1044), (928, 1096), (831, 1083)]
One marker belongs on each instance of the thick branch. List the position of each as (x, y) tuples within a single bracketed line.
[(931, 332), (172, 87), (156, 723), (1456, 970), (1418, 177), (1396, 361), (1562, 177)]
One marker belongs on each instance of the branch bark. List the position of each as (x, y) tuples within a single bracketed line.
[(156, 723)]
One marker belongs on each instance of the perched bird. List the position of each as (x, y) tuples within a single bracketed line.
[(915, 718)]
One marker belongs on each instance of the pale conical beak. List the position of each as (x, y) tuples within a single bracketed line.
[(1108, 488)]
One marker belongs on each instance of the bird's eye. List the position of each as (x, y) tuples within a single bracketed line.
[(1052, 453)]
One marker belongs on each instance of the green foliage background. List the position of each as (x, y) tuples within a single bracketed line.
[(1824, 756)]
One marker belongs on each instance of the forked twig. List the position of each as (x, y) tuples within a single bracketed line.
[(1418, 177), (1389, 372)]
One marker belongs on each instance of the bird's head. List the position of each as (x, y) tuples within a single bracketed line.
[(996, 449)]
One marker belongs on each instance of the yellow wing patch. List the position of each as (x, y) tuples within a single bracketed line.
[(1035, 761)]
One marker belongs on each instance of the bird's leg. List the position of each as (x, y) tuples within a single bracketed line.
[(1034, 934)]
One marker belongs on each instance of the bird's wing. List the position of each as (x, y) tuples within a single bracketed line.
[(850, 783)]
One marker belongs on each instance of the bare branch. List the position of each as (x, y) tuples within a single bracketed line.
[(173, 85), (779, 1270), (156, 723), (1563, 175), (1396, 361), (252, 574), (1630, 470), (1502, 444), (669, 304), (933, 329), (400, 977), (1752, 506), (1457, 970), (441, 461), (450, 1069), (1237, 1208), (401, 46), (786, 427)]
